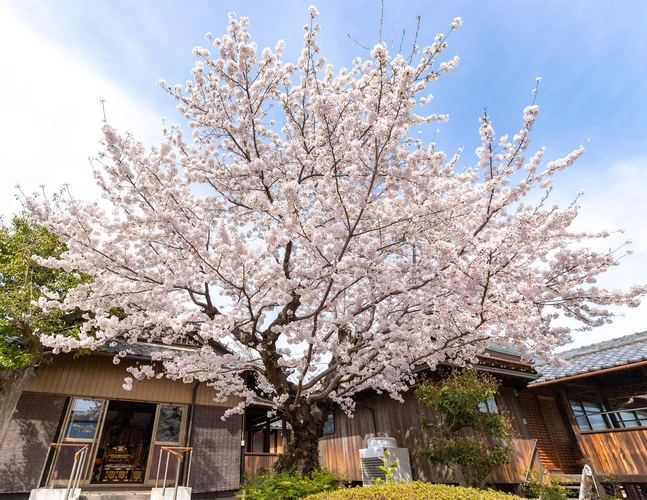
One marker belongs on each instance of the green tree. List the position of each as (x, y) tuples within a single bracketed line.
[(22, 282), (463, 425)]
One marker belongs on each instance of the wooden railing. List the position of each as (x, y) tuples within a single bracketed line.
[(255, 463)]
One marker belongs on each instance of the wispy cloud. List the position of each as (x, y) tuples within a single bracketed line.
[(52, 114)]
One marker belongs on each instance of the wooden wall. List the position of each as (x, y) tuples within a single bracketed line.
[(97, 376), (556, 443), (340, 451), (617, 452), (256, 463)]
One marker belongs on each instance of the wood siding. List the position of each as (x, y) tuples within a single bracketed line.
[(98, 377), (556, 443), (617, 453), (255, 463), (383, 416)]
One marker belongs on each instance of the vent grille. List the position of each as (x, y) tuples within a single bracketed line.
[(371, 470)]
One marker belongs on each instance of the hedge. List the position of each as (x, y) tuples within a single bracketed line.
[(412, 491)]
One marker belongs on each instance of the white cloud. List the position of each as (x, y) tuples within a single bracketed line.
[(616, 198), (52, 114)]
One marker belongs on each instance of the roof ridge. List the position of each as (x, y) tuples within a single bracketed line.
[(602, 346)]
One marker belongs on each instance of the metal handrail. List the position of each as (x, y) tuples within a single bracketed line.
[(77, 468), (179, 453)]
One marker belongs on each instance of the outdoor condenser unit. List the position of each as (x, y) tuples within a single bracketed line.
[(372, 457)]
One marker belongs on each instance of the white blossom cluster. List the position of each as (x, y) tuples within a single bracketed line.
[(301, 221)]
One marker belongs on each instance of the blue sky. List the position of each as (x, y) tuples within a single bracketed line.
[(60, 57)]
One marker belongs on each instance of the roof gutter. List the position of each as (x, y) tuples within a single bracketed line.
[(588, 374), (510, 373)]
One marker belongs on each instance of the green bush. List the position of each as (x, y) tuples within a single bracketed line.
[(287, 485), (412, 491), (545, 487)]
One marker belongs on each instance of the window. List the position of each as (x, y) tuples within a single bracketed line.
[(590, 416), (632, 418), (84, 419), (329, 425), (489, 406), (169, 424)]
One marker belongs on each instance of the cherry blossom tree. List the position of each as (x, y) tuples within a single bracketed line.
[(303, 225)]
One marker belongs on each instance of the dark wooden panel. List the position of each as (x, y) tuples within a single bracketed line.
[(520, 461), (556, 443), (619, 453), (539, 429), (508, 401), (340, 451), (561, 434), (256, 463)]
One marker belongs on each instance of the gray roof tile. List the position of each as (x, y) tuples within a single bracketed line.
[(595, 357)]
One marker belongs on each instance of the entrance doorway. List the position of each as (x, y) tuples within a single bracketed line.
[(124, 440), (122, 454)]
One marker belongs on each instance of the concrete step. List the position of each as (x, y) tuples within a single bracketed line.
[(140, 494)]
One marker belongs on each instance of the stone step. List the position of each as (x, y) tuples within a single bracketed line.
[(100, 494)]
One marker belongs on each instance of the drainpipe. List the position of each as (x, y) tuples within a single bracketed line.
[(189, 432), (242, 449)]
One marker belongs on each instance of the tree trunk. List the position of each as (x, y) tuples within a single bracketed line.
[(307, 421), (12, 383)]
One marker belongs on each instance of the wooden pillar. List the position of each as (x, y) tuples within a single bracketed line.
[(266, 437), (284, 434)]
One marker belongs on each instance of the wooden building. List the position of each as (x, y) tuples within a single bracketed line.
[(80, 400), (593, 410), (379, 415)]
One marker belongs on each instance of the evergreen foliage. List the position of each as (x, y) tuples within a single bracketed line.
[(287, 485), (461, 431)]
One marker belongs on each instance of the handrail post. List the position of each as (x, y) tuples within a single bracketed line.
[(79, 472), (168, 456), (159, 466), (69, 483), (177, 475)]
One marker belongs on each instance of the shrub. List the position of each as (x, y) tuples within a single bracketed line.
[(412, 491), (459, 402), (287, 485), (545, 487)]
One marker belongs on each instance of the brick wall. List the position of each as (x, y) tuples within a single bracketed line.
[(216, 456), (23, 452)]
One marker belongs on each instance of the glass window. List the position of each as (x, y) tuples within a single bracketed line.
[(590, 416), (489, 406), (632, 418), (329, 425), (169, 424), (84, 419)]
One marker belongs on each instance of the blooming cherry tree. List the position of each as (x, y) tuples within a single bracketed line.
[(305, 227)]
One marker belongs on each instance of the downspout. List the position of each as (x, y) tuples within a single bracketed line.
[(189, 432), (242, 450)]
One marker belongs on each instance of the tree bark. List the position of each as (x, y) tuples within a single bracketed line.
[(12, 383), (307, 421)]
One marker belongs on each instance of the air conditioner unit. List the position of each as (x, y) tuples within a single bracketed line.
[(372, 457)]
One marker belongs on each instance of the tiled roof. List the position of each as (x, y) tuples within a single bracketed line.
[(143, 349), (596, 357)]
